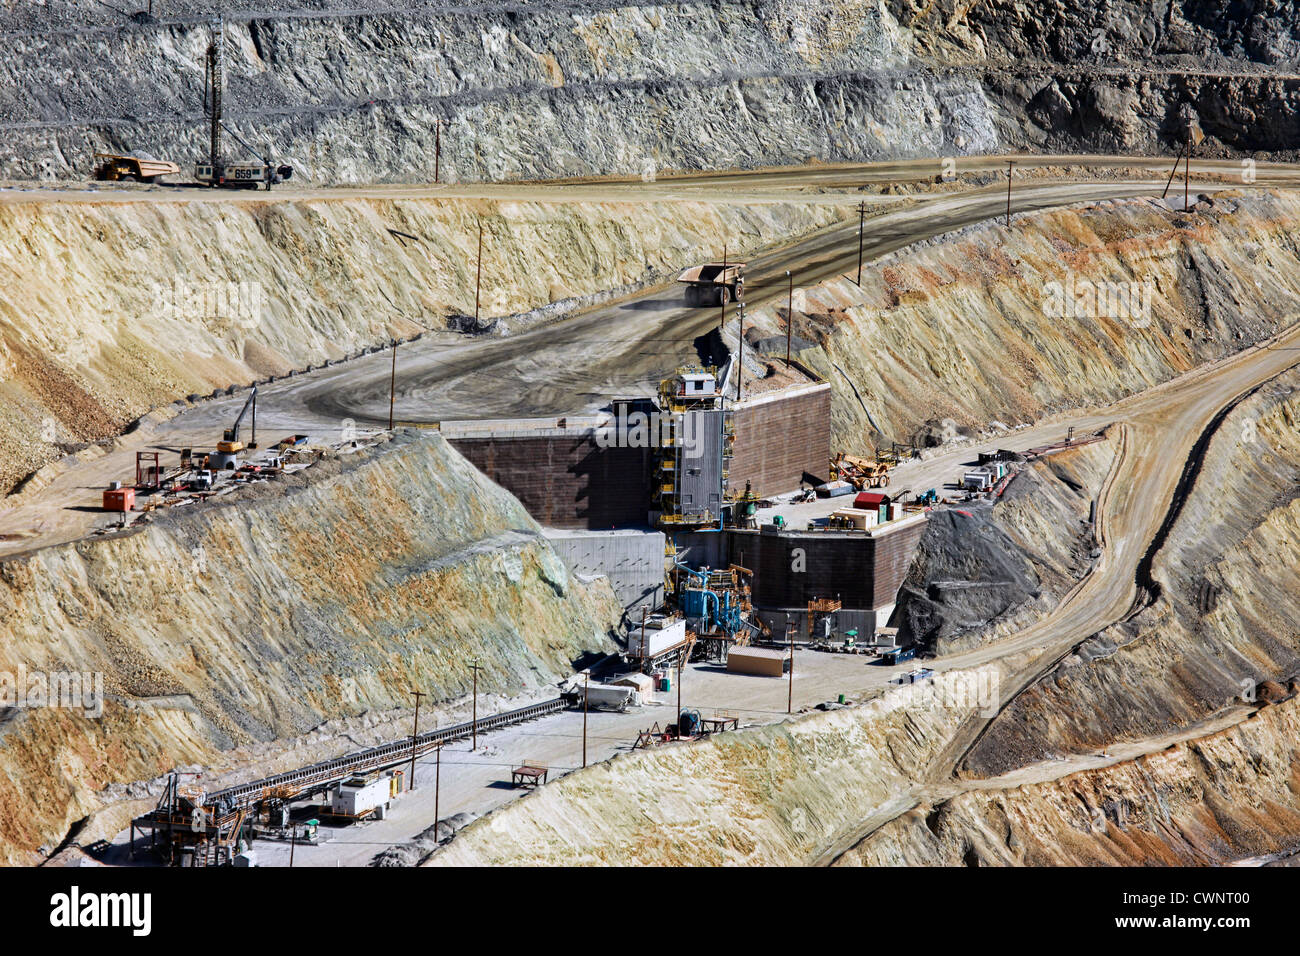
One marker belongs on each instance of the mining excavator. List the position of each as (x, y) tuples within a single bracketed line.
[(228, 449)]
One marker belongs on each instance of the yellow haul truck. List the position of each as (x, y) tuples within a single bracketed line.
[(111, 167), (714, 283)]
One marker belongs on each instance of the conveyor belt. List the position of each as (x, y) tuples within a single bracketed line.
[(295, 783)]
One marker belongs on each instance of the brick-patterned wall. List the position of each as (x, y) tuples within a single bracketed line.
[(863, 571), (778, 440), (568, 481)]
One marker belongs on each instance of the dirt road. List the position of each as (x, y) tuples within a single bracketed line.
[(835, 180), (1161, 430), (563, 367)]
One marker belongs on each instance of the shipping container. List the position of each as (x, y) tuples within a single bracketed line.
[(759, 661), (833, 489)]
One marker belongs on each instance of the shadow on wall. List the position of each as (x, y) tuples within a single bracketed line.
[(611, 486)]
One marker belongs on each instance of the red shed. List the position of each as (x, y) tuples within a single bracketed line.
[(119, 499), (871, 499)]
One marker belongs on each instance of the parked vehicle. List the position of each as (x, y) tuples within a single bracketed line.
[(111, 167), (898, 655), (200, 481)]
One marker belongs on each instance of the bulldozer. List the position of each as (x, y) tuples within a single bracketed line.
[(110, 167)]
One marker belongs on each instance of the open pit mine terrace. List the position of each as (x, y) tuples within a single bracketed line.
[(684, 503), (659, 496), (271, 576)]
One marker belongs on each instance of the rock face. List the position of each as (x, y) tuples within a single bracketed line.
[(1211, 801), (334, 594), (355, 92), (1221, 621), (348, 95), (1124, 75), (99, 327), (977, 325), (774, 795)]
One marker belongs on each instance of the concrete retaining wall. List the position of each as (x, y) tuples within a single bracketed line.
[(567, 480), (632, 560), (863, 570)]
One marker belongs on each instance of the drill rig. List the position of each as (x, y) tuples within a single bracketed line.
[(217, 171)]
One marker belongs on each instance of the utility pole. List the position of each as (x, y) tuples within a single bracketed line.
[(1170, 181), (740, 363), (1187, 172), (1010, 164), (679, 697), (437, 149), (415, 734), (644, 609), (293, 842), (789, 633), (862, 222), (437, 790), (722, 292), (478, 278), (789, 314), (586, 684), (392, 387), (474, 719)]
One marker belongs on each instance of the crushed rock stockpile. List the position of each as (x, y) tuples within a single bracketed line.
[(771, 795), (1211, 801), (985, 570), (1223, 621), (97, 327), (548, 90), (972, 326), (333, 592)]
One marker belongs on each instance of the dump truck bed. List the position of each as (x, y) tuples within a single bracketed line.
[(713, 272), (148, 167)]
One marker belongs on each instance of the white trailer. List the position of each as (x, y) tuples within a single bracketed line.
[(658, 637)]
